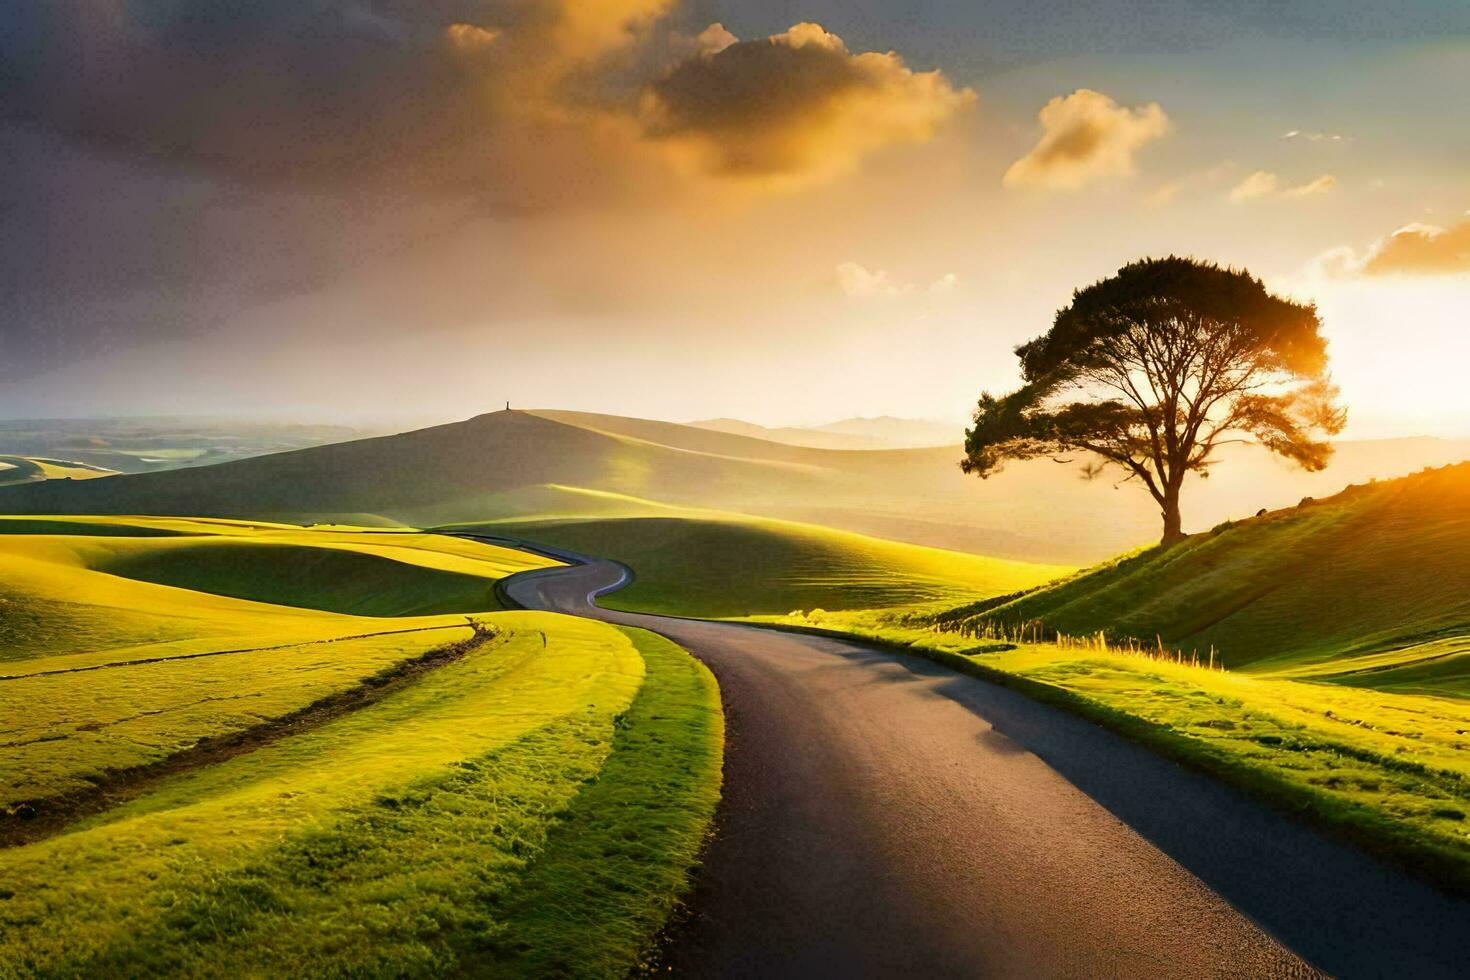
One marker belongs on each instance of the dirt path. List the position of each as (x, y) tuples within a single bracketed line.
[(884, 816)]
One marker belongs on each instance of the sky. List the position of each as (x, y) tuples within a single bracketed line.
[(787, 211)]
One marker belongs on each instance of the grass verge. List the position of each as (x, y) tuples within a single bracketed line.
[(1389, 773)]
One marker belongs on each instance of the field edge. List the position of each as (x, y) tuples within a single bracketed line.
[(1445, 871)]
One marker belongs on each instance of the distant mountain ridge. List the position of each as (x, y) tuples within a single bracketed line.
[(524, 465), (881, 432)]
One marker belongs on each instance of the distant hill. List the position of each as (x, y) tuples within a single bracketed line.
[(1370, 587), (899, 433), (537, 464), (883, 432), (790, 435), (703, 563), (33, 469), (141, 445)]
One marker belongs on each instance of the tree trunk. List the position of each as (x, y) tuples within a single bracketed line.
[(1173, 523)]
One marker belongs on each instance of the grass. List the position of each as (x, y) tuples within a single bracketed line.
[(728, 566), (101, 672), (31, 469), (521, 773), (1344, 625), (1369, 588), (132, 588), (1389, 772), (65, 731), (534, 806)]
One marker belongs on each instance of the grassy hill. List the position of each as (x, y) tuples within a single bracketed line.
[(538, 465), (34, 469), (1344, 628), (200, 783), (695, 563), (1370, 587), (140, 445)]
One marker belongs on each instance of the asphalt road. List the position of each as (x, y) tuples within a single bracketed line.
[(886, 817)]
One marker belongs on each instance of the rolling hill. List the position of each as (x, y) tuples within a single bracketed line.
[(883, 432), (541, 464), (708, 564), (141, 445), (36, 469), (1368, 588), (198, 781), (790, 435)]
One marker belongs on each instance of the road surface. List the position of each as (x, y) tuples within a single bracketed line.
[(886, 817)]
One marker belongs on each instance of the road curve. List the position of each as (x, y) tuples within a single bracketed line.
[(886, 817)]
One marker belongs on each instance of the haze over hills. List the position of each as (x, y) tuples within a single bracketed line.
[(883, 432), (141, 445), (540, 464)]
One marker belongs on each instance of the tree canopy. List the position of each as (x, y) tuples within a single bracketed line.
[(1154, 369)]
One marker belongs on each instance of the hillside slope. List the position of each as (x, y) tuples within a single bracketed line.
[(198, 785), (1370, 587), (542, 464), (702, 563)]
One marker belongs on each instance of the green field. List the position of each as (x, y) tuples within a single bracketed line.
[(202, 782), (703, 563), (34, 469), (529, 465), (1369, 588), (1342, 625)]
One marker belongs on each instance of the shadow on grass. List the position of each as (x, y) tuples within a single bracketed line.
[(1339, 908)]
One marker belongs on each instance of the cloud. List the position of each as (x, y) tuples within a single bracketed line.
[(1312, 188), (1297, 134), (859, 282), (458, 95), (469, 38), (793, 105), (1086, 137), (1413, 250), (1265, 184), (1168, 192), (1260, 184)]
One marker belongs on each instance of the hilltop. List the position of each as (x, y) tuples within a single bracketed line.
[(543, 464), (1370, 588)]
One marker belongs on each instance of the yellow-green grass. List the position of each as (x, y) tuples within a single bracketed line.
[(709, 564), (63, 731), (100, 673), (118, 585), (30, 469), (1369, 588), (1389, 771), (531, 809), (1345, 625)]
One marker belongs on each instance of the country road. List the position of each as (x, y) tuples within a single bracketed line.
[(886, 817)]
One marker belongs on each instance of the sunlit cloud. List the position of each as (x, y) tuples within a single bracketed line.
[(1170, 191), (469, 38), (1265, 184), (794, 105), (857, 281), (1086, 137), (1414, 250), (1313, 137)]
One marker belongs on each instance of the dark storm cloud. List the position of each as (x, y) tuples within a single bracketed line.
[(793, 105), (167, 165), (314, 90)]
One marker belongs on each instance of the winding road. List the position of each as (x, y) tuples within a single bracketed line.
[(886, 817)]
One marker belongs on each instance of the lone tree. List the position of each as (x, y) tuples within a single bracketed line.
[(1154, 369)]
